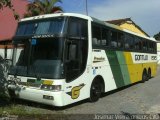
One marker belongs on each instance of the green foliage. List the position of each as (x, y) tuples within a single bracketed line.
[(4, 94), (157, 36), (5, 3), (39, 7), (14, 109), (8, 3)]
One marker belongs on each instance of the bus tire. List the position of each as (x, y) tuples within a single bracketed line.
[(144, 76), (96, 90), (149, 73)]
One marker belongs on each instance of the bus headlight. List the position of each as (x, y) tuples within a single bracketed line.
[(51, 87), (15, 79)]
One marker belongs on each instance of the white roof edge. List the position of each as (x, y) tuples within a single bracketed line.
[(55, 15)]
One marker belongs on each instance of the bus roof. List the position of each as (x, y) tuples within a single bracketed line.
[(55, 15), (87, 18)]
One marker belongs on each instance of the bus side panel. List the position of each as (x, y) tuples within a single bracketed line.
[(119, 68), (124, 68), (102, 68), (115, 67), (135, 68)]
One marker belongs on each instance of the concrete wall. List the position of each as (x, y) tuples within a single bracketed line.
[(9, 53), (158, 52)]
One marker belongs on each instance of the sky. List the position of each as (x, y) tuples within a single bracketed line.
[(145, 13)]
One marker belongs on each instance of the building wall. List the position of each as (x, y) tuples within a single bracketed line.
[(8, 55), (8, 23), (132, 28), (158, 52)]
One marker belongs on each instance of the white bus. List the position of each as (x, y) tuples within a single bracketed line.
[(63, 58)]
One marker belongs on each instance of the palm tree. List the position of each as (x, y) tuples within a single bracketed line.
[(39, 7), (5, 3)]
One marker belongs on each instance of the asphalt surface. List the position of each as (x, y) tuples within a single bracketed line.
[(138, 98)]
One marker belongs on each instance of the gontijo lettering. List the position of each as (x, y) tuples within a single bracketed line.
[(141, 57)]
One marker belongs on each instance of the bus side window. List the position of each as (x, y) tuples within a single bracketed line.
[(74, 28), (105, 37), (96, 35), (72, 48), (155, 47), (72, 61), (120, 40), (126, 45), (94, 41), (78, 29), (152, 47), (140, 45), (145, 46), (136, 44), (129, 42), (113, 39)]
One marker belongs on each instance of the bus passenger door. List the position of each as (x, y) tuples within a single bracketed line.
[(73, 57), (76, 54)]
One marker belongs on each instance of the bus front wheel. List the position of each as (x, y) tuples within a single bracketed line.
[(96, 90)]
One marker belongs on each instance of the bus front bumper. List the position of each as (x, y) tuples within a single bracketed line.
[(38, 95)]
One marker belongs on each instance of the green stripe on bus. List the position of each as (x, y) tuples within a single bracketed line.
[(115, 67), (123, 67)]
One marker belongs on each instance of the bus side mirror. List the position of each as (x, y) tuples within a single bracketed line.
[(8, 62)]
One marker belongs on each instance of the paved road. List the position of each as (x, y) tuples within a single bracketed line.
[(138, 98)]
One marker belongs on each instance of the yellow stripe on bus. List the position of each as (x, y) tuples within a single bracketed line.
[(135, 70)]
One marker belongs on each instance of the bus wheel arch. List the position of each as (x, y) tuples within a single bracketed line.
[(144, 75), (149, 73), (97, 88)]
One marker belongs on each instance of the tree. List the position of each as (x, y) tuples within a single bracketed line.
[(5, 3), (157, 36), (4, 93), (40, 7), (8, 3)]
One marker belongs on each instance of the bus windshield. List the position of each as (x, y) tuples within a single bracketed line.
[(39, 58), (39, 27)]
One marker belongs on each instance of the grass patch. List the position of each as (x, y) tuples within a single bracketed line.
[(28, 113), (14, 109)]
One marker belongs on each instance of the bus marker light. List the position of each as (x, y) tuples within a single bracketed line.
[(47, 82)]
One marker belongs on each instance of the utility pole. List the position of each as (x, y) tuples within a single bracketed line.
[(86, 7)]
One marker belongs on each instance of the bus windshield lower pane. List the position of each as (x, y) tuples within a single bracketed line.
[(43, 59)]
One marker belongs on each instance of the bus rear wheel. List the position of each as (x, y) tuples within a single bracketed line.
[(149, 73), (96, 90), (144, 76)]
